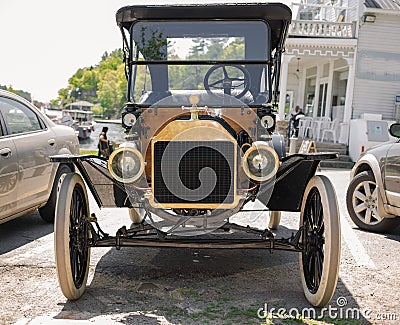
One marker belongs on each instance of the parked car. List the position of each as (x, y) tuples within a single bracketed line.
[(373, 196), (28, 180)]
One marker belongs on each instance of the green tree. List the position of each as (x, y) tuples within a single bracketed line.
[(152, 44), (22, 93), (111, 92), (112, 83), (104, 83), (192, 77), (234, 50), (83, 84), (63, 97)]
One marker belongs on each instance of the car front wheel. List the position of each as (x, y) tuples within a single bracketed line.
[(47, 212), (362, 204)]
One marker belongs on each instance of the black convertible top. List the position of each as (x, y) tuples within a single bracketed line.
[(277, 15)]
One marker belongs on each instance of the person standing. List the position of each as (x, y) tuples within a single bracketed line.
[(295, 119), (103, 146)]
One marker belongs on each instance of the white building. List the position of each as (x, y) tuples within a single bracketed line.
[(342, 60)]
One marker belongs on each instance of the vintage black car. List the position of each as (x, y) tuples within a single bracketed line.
[(200, 145)]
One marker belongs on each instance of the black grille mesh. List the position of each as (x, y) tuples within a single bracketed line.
[(189, 160)]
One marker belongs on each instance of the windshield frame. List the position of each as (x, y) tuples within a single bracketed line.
[(133, 62)]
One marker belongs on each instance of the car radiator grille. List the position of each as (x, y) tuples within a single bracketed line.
[(194, 172)]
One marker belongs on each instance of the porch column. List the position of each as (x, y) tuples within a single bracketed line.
[(349, 92), (283, 85), (316, 98), (348, 106), (328, 103), (302, 89)]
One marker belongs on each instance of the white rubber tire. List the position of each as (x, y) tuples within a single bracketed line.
[(274, 219), (62, 237), (331, 262), (135, 215)]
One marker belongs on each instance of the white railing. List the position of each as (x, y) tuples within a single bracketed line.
[(312, 28)]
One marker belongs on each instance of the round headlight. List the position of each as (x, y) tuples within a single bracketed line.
[(260, 163), (267, 121), (126, 165), (129, 119)]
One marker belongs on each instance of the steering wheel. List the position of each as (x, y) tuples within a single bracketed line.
[(227, 82)]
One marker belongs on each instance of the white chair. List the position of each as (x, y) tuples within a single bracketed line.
[(331, 129), (304, 122), (308, 130), (312, 130), (320, 123)]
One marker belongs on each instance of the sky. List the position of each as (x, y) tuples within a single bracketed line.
[(44, 42)]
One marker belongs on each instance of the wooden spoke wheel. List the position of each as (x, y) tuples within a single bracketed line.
[(71, 236), (319, 262)]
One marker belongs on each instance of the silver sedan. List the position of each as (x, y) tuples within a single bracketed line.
[(373, 196), (28, 180)]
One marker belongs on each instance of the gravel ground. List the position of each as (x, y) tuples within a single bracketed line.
[(192, 286)]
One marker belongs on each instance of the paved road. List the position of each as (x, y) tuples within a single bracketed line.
[(163, 286)]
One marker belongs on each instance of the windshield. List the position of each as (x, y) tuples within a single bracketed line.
[(212, 59)]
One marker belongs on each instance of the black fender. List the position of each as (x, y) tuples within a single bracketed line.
[(278, 143)]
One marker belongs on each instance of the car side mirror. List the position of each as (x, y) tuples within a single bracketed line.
[(394, 130)]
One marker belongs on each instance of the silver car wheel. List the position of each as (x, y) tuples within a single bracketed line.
[(365, 203), (362, 200)]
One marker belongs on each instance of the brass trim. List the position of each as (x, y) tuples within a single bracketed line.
[(246, 167), (187, 127), (245, 145), (124, 180)]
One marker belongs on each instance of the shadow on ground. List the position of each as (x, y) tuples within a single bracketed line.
[(23, 230), (393, 234), (192, 286)]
